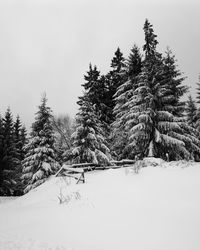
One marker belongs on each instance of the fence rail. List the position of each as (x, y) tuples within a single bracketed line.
[(93, 166)]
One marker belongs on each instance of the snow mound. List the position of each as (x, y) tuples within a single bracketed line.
[(64, 190)]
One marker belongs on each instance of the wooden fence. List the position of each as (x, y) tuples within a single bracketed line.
[(77, 171)]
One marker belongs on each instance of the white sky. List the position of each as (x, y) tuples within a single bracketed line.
[(47, 45)]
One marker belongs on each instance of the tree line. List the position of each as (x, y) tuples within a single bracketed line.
[(137, 109), (134, 111)]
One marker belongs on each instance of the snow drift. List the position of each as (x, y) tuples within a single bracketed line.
[(157, 209)]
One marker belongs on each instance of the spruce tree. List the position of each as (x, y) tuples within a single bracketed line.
[(153, 128), (39, 162), (9, 156), (88, 139), (96, 88), (116, 77), (122, 96), (93, 87)]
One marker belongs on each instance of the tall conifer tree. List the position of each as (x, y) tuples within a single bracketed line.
[(153, 128), (9, 155), (39, 162), (89, 143), (122, 96)]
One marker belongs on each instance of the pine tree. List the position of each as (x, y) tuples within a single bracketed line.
[(96, 90), (9, 157), (123, 95), (153, 129), (39, 162), (112, 81), (93, 88), (88, 139), (191, 110), (118, 61)]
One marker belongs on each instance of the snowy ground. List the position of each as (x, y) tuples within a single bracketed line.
[(157, 209)]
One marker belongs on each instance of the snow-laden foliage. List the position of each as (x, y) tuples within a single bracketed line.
[(151, 116), (124, 92), (89, 143), (40, 159)]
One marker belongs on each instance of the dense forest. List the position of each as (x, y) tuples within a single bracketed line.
[(135, 110)]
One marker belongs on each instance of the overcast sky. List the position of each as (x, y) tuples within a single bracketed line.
[(47, 45)]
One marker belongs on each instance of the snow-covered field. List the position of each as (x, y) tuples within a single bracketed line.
[(157, 209)]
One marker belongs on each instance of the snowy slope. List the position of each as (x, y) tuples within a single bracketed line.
[(157, 209)]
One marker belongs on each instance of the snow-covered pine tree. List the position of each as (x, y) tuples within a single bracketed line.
[(89, 143), (154, 130), (175, 104), (191, 111), (39, 162), (9, 156), (122, 96)]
